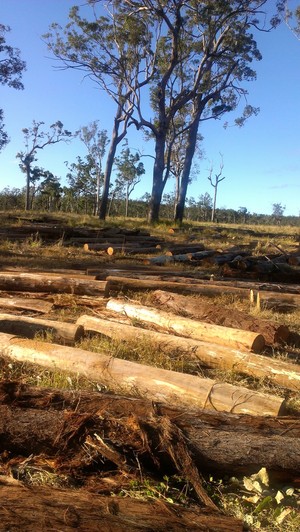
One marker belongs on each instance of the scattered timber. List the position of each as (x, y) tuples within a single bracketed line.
[(214, 313), (198, 330), (67, 333), (153, 383), (210, 355), (36, 282), (59, 422)]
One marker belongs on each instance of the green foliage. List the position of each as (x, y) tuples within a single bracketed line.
[(11, 69)]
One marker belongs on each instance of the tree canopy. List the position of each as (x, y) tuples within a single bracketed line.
[(11, 69), (190, 60)]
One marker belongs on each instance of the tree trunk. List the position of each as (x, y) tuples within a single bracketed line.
[(158, 179), (189, 154), (206, 288), (115, 140), (27, 191), (61, 423), (198, 330), (212, 313), (212, 355), (130, 377), (67, 333), (37, 305), (37, 282), (43, 509)]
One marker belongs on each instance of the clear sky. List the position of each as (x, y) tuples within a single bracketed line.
[(261, 160)]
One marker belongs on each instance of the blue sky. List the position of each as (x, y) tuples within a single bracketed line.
[(261, 160)]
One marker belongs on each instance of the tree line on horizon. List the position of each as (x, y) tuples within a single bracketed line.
[(168, 66), (51, 197)]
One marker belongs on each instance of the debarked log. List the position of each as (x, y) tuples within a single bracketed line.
[(153, 383), (57, 423), (43, 509), (198, 330), (68, 333), (36, 282), (211, 355)]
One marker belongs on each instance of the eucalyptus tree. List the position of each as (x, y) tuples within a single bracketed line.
[(36, 139), (11, 69), (95, 140), (113, 48), (82, 180), (204, 54), (130, 170)]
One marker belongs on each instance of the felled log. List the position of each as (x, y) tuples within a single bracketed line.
[(129, 249), (28, 509), (212, 355), (155, 383), (37, 282), (58, 422), (213, 313), (181, 257), (197, 330), (37, 305), (117, 284), (64, 332)]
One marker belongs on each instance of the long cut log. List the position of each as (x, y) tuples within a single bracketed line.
[(155, 383), (29, 509), (198, 330), (36, 282), (117, 284), (131, 427), (214, 313), (211, 355), (64, 332)]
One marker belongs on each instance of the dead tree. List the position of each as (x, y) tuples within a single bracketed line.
[(215, 183)]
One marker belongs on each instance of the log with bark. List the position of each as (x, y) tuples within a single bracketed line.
[(213, 356), (269, 299), (58, 423), (22, 303), (214, 313), (44, 509), (62, 332), (37, 282), (154, 383), (128, 249), (198, 330)]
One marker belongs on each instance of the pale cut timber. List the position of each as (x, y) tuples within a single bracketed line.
[(36, 282), (211, 355), (153, 383), (198, 330), (68, 333), (37, 305)]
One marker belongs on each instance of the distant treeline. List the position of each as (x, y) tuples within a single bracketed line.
[(196, 209)]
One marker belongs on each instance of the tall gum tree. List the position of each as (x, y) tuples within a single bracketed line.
[(204, 54), (114, 51)]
